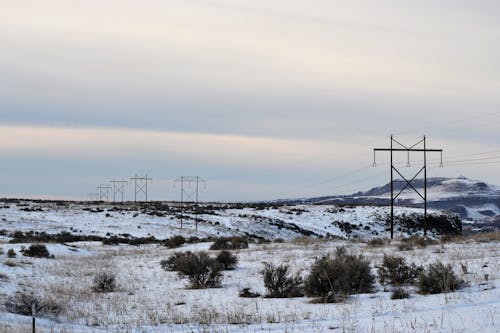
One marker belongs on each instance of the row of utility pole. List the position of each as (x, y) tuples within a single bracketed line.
[(189, 189)]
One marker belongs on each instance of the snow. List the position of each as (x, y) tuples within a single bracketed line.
[(152, 300), (149, 299), (286, 222)]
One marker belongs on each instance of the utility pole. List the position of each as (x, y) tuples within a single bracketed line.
[(118, 187), (190, 189), (93, 196), (103, 192), (141, 186), (409, 182)]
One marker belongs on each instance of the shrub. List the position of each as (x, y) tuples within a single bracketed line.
[(27, 303), (227, 260), (247, 293), (396, 271), (172, 262), (334, 278), (11, 253), (37, 250), (229, 243), (175, 241), (400, 293), (438, 278), (104, 282), (415, 241), (376, 242), (201, 270), (279, 284)]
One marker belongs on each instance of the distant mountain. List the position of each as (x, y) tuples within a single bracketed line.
[(472, 200)]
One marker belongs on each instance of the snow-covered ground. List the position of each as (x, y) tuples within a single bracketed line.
[(149, 299), (284, 222)]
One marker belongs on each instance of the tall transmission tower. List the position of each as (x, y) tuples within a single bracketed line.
[(141, 186), (190, 189), (103, 191), (408, 150), (118, 188)]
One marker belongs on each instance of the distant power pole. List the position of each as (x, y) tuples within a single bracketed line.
[(409, 149), (118, 187), (190, 188), (103, 192), (93, 196), (141, 186)]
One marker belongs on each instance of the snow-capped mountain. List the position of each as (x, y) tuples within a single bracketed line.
[(472, 200)]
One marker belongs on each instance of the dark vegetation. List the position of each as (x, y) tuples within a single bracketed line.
[(27, 303), (395, 271), (230, 243), (37, 251), (444, 224), (201, 270), (280, 283), (227, 260), (104, 282), (438, 278), (334, 278)]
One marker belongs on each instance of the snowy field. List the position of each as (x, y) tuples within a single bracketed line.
[(150, 299), (162, 220)]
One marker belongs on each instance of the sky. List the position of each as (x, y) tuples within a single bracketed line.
[(261, 99)]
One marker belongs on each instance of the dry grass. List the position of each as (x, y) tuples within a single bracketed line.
[(147, 295)]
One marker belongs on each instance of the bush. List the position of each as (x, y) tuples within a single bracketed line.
[(396, 271), (104, 282), (11, 253), (400, 293), (279, 284), (377, 242), (175, 241), (227, 260), (229, 243), (172, 263), (408, 244), (37, 251), (334, 278), (27, 303), (201, 270), (438, 278)]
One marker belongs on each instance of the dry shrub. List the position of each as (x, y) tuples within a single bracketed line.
[(104, 282), (28, 303), (37, 251), (172, 262), (438, 278), (394, 270), (227, 260), (377, 242), (11, 253), (201, 270), (175, 241), (279, 283), (400, 293), (334, 278), (230, 243)]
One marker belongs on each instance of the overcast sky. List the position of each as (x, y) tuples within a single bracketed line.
[(262, 99)]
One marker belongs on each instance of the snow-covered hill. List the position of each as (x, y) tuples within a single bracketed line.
[(472, 200), (163, 220)]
